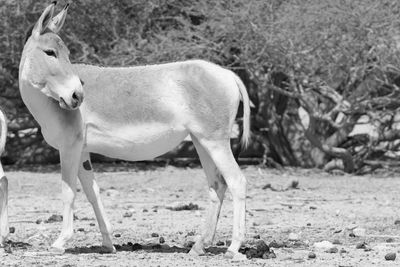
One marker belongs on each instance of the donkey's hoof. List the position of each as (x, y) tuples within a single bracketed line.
[(236, 256), (108, 250), (56, 250)]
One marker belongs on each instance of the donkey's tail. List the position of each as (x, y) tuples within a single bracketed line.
[(3, 131), (246, 111)]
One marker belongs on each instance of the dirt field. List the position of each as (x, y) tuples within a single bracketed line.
[(323, 208)]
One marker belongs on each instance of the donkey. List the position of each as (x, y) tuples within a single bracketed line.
[(3, 184), (133, 113)]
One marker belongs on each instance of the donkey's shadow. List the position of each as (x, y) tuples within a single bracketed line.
[(152, 248)]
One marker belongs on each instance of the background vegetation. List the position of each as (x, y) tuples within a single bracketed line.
[(323, 75)]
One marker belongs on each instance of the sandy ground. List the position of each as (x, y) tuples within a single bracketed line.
[(324, 208)]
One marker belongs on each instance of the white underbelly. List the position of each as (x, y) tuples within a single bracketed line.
[(133, 142)]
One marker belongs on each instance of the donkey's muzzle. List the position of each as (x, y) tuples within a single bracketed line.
[(76, 99)]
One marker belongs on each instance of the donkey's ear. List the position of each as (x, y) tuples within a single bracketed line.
[(44, 20), (57, 22)]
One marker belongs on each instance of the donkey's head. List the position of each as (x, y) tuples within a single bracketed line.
[(46, 65)]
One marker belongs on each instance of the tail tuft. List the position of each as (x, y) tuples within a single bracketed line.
[(246, 111)]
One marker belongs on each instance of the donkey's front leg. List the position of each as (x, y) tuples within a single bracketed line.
[(70, 159), (92, 191)]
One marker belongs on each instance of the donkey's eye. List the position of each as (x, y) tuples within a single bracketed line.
[(50, 53)]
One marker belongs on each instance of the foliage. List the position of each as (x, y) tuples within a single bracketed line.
[(332, 58)]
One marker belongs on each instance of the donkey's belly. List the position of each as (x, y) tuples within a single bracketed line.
[(133, 142)]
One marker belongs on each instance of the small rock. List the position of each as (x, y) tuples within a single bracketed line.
[(312, 255), (352, 235), (313, 208), (127, 214), (155, 210), (391, 256), (39, 221), (359, 232), (7, 249), (154, 235), (269, 254), (112, 192), (220, 243), (336, 242), (332, 250), (397, 222), (92, 224), (389, 240), (81, 230), (161, 240), (342, 251), (11, 229), (255, 248), (228, 243), (257, 237), (191, 233), (276, 244), (117, 235), (293, 237), (266, 186), (308, 224), (180, 207), (54, 218), (145, 210), (361, 245), (323, 245)]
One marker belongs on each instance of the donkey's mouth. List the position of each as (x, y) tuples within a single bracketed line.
[(64, 104)]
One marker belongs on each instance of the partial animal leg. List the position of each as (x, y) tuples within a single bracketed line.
[(221, 153), (70, 159), (3, 209), (217, 188), (91, 189)]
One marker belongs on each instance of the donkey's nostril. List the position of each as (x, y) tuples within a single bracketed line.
[(75, 96)]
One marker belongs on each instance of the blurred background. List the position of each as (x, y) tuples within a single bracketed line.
[(323, 76)]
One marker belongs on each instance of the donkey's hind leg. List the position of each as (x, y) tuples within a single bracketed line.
[(221, 154), (92, 191), (217, 188)]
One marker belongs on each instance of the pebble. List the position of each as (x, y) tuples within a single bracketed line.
[(54, 218), (117, 235), (293, 237), (389, 240), (127, 214), (81, 230), (391, 256), (11, 229), (145, 210), (359, 232), (154, 235), (276, 244), (220, 243), (397, 222), (92, 224), (39, 221), (323, 245), (361, 245), (161, 240), (333, 250), (312, 255), (257, 237)]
